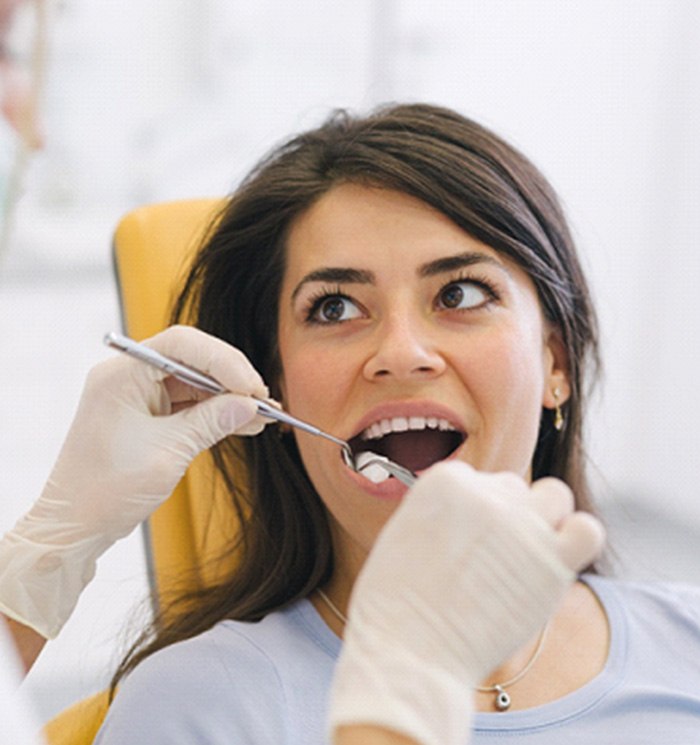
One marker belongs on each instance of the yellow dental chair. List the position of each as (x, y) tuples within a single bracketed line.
[(153, 247)]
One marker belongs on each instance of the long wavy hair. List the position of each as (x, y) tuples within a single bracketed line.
[(484, 186)]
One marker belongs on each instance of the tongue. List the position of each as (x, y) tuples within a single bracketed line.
[(416, 450)]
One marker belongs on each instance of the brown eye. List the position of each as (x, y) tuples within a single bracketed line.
[(331, 309), (452, 296), (462, 296)]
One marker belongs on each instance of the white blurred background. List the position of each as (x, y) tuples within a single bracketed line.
[(146, 101)]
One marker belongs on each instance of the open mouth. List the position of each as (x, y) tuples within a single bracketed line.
[(414, 442)]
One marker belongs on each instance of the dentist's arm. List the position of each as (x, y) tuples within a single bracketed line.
[(134, 434), (368, 735), (468, 569), (28, 642)]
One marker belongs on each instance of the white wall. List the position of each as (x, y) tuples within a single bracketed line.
[(165, 99)]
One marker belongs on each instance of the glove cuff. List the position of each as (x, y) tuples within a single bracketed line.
[(419, 701), (40, 584)]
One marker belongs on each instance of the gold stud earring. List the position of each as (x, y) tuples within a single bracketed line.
[(558, 416)]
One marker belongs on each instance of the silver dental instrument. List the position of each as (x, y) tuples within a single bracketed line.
[(401, 473), (204, 382)]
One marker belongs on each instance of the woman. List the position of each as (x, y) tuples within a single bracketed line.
[(409, 265), (407, 282)]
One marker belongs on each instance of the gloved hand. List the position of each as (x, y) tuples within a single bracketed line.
[(467, 570), (134, 434)]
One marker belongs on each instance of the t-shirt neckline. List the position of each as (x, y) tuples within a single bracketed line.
[(589, 695), (538, 717)]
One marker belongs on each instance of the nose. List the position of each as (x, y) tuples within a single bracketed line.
[(404, 350)]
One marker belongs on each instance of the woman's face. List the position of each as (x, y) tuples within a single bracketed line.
[(400, 332)]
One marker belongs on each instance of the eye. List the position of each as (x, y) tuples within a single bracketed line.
[(333, 309), (464, 295)]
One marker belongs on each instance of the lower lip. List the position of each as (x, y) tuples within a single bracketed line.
[(390, 489)]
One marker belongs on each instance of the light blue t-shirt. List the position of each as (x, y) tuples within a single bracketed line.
[(268, 682)]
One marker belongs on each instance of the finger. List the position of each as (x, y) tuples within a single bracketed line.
[(552, 500), (211, 356), (201, 426), (182, 393), (238, 415), (580, 540)]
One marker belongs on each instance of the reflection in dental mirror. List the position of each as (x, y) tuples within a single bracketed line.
[(368, 464)]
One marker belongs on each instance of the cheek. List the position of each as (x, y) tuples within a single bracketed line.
[(505, 364), (314, 381), (506, 384)]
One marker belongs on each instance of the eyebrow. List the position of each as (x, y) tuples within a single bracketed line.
[(337, 274), (346, 275), (459, 261)]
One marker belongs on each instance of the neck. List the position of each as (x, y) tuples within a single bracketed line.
[(349, 557), (572, 652), (338, 596)]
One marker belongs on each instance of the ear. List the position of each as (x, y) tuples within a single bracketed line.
[(556, 370)]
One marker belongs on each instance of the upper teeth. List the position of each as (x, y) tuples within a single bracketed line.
[(403, 424)]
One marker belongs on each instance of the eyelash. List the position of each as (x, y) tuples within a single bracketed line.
[(315, 301)]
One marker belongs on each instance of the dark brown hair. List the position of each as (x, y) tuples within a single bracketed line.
[(446, 160)]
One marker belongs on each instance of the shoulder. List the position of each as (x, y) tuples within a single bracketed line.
[(235, 678), (228, 652), (197, 690), (653, 667), (662, 594), (656, 605)]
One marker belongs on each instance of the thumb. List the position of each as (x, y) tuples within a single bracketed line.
[(580, 540), (239, 415), (209, 421)]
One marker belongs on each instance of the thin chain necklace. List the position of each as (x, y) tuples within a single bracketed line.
[(503, 700)]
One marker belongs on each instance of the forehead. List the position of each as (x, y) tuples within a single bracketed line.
[(359, 226)]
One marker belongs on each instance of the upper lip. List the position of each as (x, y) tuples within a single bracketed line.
[(391, 409)]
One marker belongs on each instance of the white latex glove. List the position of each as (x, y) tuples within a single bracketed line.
[(467, 570), (133, 436)]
